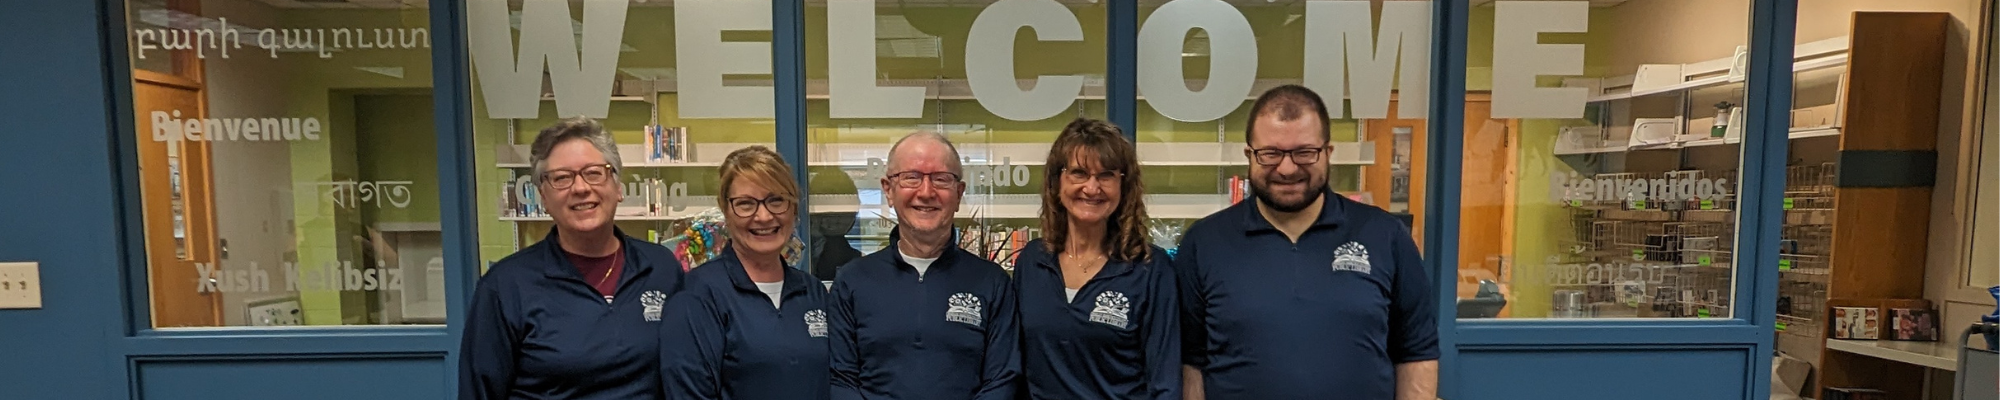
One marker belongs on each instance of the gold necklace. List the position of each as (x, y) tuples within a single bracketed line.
[(1085, 263), (616, 259)]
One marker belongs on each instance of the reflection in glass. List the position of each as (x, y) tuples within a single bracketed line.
[(285, 186), (1600, 160), (1000, 95), (677, 85)]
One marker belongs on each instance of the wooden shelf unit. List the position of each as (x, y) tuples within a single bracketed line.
[(1879, 228)]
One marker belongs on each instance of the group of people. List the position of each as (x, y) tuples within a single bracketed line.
[(1299, 294)]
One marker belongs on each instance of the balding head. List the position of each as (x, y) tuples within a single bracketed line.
[(928, 145)]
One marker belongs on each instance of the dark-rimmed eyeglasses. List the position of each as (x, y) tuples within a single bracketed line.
[(914, 179), (1079, 175), (593, 174), (1302, 157), (745, 206)]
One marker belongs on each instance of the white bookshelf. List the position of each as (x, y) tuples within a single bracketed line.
[(1796, 134), (1811, 56), (688, 206), (709, 155), (1028, 206)]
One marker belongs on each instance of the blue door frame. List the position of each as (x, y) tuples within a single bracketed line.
[(67, 59)]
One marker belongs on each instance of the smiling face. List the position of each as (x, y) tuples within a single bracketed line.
[(923, 210), (1288, 186), (581, 206), (1088, 191), (768, 224)]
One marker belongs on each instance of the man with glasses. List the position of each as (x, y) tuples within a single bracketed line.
[(1303, 293), (923, 319), (575, 316)]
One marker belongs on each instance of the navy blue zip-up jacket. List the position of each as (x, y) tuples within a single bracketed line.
[(1119, 339), (536, 330), (722, 339), (1330, 315), (945, 336)]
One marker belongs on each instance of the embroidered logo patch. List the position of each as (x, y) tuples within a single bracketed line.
[(965, 309), (1351, 257), (816, 323), (1112, 309), (654, 301)]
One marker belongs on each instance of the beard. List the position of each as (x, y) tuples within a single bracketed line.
[(1264, 196)]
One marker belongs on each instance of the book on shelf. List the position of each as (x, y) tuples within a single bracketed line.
[(646, 197), (667, 144), (1239, 189)]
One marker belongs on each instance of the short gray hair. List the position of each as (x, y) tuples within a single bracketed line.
[(573, 128), (957, 165)]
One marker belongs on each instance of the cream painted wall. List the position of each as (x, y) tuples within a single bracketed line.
[(252, 179)]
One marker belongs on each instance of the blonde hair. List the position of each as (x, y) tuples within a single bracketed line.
[(762, 167)]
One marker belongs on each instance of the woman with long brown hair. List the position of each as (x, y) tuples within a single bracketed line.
[(1097, 300)]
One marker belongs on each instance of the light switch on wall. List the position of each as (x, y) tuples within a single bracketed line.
[(20, 285)]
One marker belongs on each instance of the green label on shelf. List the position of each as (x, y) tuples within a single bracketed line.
[(1638, 255), (1638, 204), (1782, 326), (1703, 312), (1576, 203), (1788, 203), (1704, 260), (1784, 265), (1708, 204)]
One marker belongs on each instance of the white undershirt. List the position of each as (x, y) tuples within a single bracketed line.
[(922, 264), (772, 289), (1069, 294)]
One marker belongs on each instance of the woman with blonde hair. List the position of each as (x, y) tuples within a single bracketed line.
[(1098, 313), (747, 325)]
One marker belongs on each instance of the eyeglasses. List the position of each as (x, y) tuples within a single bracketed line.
[(1302, 157), (1078, 175), (594, 174), (747, 206), (914, 179)]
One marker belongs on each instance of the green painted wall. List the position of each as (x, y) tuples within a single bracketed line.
[(326, 89)]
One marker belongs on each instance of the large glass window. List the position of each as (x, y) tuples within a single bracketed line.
[(286, 163), (1202, 63), (999, 78), (1601, 171), (680, 85)]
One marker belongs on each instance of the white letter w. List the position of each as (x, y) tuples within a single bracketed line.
[(513, 86)]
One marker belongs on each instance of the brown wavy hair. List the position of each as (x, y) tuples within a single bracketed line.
[(1126, 237)]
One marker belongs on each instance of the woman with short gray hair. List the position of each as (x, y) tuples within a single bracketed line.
[(576, 315)]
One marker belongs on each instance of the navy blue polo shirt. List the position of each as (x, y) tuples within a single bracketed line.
[(723, 340), (536, 330), (947, 335), (1264, 318), (1119, 339)]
